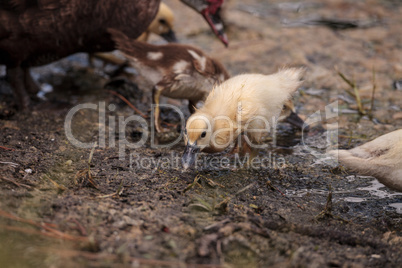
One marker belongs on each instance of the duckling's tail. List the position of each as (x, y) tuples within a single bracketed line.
[(290, 78), (129, 46)]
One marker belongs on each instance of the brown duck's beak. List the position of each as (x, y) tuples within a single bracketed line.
[(213, 17), (189, 155), (170, 37), (296, 121)]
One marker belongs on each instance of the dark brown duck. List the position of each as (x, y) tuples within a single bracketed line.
[(34, 33)]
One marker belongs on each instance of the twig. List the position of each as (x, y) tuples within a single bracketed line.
[(7, 149), (16, 218), (355, 92), (274, 188), (128, 103), (86, 174), (16, 183), (57, 234), (27, 231), (372, 95), (91, 154), (119, 191), (105, 256), (51, 232), (244, 189), (196, 179), (9, 163), (57, 185), (80, 227)]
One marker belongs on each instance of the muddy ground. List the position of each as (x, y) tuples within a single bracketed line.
[(297, 210)]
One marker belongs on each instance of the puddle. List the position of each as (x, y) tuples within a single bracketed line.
[(375, 189), (303, 192), (354, 199), (398, 207)]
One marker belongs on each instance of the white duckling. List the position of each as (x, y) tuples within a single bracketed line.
[(381, 158), (247, 104), (177, 71)]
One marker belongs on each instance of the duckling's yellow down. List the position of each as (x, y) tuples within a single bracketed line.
[(239, 104)]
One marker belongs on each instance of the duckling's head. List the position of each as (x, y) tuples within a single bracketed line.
[(208, 134), (163, 23), (197, 137), (290, 116)]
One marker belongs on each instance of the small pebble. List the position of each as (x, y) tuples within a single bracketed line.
[(397, 84)]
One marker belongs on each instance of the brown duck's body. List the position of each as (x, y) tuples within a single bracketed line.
[(38, 32), (34, 33), (176, 70)]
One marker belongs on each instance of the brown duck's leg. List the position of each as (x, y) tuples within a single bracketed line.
[(156, 94), (191, 106), (16, 77), (91, 60), (30, 83)]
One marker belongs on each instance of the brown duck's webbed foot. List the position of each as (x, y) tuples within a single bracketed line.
[(30, 84), (16, 78)]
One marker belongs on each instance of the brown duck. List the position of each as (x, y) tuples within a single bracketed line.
[(176, 70), (34, 33)]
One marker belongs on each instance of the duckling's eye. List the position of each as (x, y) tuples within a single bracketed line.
[(203, 134), (162, 21)]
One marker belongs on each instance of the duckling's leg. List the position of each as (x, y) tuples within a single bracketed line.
[(247, 149), (156, 94), (30, 84), (16, 77)]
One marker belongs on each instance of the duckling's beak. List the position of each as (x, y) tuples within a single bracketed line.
[(189, 155), (170, 36), (215, 22), (296, 121)]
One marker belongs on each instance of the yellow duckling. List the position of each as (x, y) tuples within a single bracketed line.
[(381, 158), (246, 105)]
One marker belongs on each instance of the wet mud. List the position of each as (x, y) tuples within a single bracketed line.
[(65, 206)]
